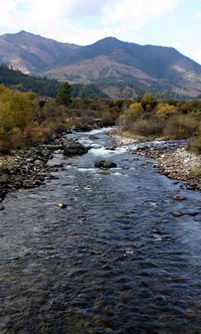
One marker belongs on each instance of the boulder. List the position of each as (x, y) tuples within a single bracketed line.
[(104, 164), (72, 147)]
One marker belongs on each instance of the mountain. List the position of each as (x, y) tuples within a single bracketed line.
[(120, 69), (32, 53)]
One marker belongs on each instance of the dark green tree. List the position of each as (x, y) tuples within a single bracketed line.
[(64, 94)]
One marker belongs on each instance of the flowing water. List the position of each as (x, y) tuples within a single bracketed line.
[(114, 260)]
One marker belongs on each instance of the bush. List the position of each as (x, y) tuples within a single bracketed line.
[(196, 172), (195, 145), (182, 126), (17, 138), (130, 115), (148, 128), (5, 144), (165, 110)]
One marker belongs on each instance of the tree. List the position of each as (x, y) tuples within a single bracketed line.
[(135, 111), (164, 110), (148, 102), (15, 108), (64, 94)]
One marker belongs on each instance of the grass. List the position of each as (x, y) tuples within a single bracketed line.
[(196, 172)]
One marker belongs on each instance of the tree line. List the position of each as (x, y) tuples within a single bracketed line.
[(43, 86)]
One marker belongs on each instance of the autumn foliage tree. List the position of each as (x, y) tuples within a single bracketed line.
[(15, 108)]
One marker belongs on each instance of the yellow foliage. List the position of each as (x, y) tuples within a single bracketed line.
[(15, 108), (2, 89), (164, 110), (135, 110)]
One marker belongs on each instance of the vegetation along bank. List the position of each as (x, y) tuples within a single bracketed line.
[(29, 123), (178, 123)]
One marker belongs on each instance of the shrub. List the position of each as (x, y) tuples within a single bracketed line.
[(16, 138), (50, 111), (196, 172), (148, 128), (34, 132), (130, 115), (165, 110), (182, 126), (195, 145), (5, 144), (135, 110)]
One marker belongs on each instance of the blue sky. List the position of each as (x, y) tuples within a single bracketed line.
[(174, 23)]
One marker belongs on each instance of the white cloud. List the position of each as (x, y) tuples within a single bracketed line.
[(6, 8), (197, 15), (136, 12), (69, 20)]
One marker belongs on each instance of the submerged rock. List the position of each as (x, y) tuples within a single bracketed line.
[(104, 173), (93, 137), (104, 164)]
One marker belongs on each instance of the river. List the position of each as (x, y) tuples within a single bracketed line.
[(115, 260)]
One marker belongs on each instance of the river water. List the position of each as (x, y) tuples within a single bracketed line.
[(115, 260)]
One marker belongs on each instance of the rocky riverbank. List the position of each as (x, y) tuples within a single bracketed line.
[(172, 158), (29, 168)]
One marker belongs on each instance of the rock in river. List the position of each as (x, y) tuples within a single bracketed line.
[(61, 205), (178, 197), (177, 213), (72, 147), (104, 164)]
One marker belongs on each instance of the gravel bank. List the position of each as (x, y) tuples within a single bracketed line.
[(172, 159), (179, 165), (31, 167)]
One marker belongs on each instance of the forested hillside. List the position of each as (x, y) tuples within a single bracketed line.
[(42, 86)]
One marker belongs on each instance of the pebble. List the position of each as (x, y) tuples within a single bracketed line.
[(178, 197), (177, 213), (104, 173), (61, 205)]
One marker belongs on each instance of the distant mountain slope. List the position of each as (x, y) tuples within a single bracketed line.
[(109, 63), (32, 53)]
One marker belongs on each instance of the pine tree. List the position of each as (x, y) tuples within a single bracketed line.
[(64, 94)]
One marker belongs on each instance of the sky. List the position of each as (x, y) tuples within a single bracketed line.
[(175, 23)]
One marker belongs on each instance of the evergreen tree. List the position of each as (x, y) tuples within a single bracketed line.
[(64, 94)]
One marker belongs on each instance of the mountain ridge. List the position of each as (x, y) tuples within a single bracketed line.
[(106, 63)]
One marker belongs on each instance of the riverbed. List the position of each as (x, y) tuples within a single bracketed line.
[(113, 260)]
